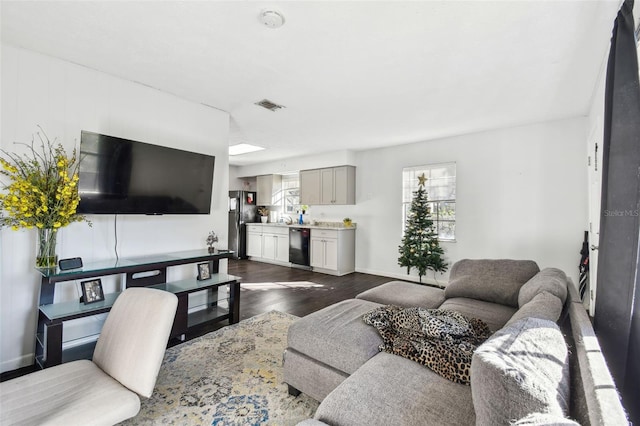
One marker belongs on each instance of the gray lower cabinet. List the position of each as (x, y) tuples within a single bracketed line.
[(332, 251), (268, 243), (254, 241)]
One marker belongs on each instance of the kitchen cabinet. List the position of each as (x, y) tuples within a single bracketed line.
[(332, 251), (324, 253), (282, 248), (310, 187), (328, 186), (268, 243), (269, 188), (275, 244), (254, 240)]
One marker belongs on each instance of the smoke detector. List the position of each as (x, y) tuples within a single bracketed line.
[(271, 19), (271, 106)]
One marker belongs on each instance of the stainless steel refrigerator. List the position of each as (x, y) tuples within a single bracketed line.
[(242, 210)]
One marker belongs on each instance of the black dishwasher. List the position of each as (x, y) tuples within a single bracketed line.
[(299, 246)]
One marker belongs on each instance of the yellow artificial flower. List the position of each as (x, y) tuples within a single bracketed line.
[(41, 189)]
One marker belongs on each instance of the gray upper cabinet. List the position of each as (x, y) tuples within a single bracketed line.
[(269, 188), (333, 185), (310, 187)]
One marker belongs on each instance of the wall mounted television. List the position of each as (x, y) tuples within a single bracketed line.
[(122, 176)]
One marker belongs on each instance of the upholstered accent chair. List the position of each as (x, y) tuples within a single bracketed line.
[(103, 391)]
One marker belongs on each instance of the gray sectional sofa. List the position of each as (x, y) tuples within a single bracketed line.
[(542, 365)]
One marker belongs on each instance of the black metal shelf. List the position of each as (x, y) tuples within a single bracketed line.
[(51, 316), (84, 351), (212, 314)]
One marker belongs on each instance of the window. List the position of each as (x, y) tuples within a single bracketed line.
[(290, 193), (441, 193)]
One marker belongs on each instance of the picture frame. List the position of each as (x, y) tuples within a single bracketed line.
[(92, 291), (204, 271)]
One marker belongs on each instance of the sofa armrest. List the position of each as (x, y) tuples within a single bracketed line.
[(311, 422), (594, 398)]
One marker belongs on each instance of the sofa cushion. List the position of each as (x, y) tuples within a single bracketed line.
[(540, 419), (491, 280), (551, 280), (494, 314), (522, 369), (336, 335), (390, 390), (308, 375), (544, 306), (404, 294), (311, 422)]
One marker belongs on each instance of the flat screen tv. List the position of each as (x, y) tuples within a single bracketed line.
[(122, 176)]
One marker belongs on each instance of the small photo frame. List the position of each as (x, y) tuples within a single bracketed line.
[(92, 291), (204, 271)]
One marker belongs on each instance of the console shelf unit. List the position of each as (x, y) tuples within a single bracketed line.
[(51, 316)]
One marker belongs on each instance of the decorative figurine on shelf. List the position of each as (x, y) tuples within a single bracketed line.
[(211, 239)]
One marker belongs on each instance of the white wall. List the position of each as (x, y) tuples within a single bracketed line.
[(594, 179), (521, 194), (64, 99), (294, 164), (237, 183)]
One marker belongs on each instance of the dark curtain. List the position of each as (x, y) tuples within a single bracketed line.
[(616, 313)]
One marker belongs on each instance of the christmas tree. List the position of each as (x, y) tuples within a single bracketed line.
[(420, 248)]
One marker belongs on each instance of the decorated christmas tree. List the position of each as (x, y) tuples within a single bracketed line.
[(420, 248)]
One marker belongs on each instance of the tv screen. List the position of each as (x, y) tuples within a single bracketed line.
[(121, 176)]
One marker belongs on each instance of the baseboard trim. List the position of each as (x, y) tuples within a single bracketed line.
[(404, 277), (14, 364), (273, 262)]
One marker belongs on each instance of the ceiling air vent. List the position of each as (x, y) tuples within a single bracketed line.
[(265, 103)]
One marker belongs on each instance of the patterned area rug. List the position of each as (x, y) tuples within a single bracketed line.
[(232, 376)]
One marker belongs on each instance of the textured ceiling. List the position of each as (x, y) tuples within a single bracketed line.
[(352, 75)]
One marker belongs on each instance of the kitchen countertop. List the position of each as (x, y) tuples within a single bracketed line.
[(337, 226)]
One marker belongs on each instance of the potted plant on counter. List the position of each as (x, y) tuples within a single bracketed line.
[(264, 214)]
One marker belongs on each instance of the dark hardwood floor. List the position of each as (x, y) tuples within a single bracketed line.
[(299, 292), (266, 287)]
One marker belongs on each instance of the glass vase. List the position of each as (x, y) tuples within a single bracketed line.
[(46, 245)]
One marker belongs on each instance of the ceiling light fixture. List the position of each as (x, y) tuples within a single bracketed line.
[(271, 19), (243, 148)]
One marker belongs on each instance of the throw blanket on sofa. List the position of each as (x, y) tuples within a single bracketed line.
[(440, 339)]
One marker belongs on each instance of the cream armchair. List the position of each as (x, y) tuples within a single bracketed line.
[(104, 391)]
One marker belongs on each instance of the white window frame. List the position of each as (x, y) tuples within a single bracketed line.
[(290, 193), (439, 195)]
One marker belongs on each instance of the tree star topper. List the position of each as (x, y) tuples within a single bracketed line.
[(422, 180)]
